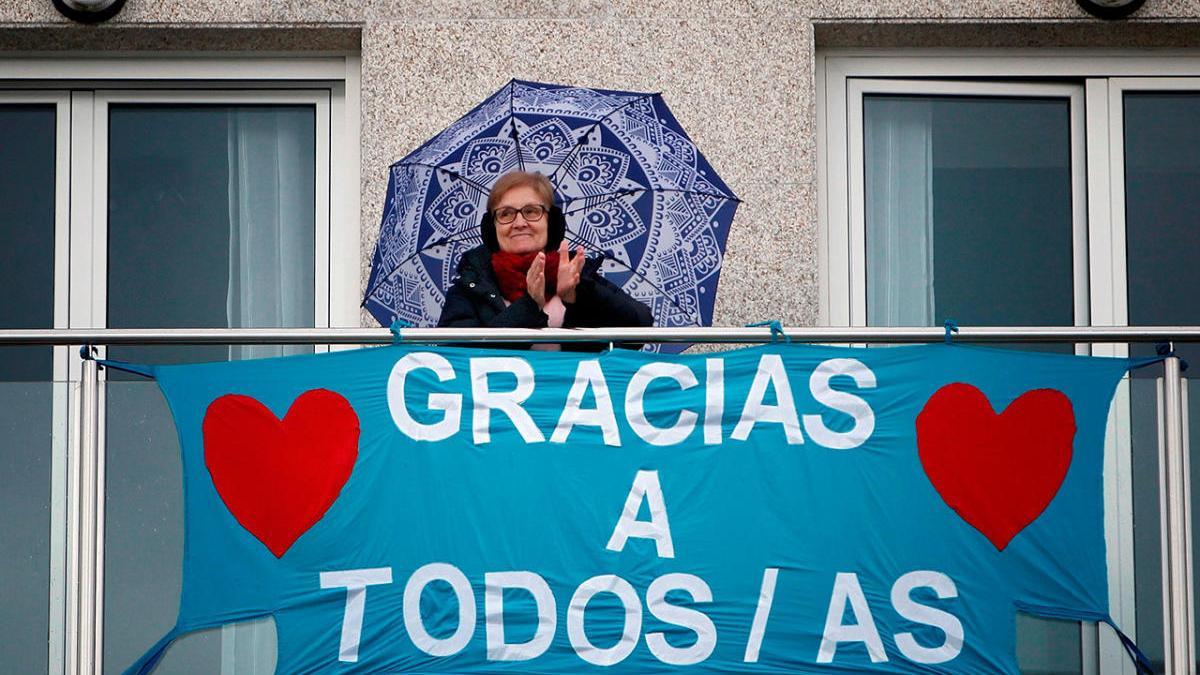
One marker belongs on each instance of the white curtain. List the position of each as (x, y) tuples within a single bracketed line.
[(271, 225), (898, 167)]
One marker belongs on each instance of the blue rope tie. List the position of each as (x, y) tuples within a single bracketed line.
[(1166, 349), (1139, 659), (951, 327), (87, 352), (395, 328), (776, 330)]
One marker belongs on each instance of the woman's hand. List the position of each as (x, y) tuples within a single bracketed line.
[(535, 280), (569, 271)]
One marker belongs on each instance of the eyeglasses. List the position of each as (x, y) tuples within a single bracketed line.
[(530, 212)]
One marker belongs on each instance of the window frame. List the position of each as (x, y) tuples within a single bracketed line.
[(90, 242), (855, 293), (81, 87), (1096, 69), (1104, 76), (60, 411), (61, 100), (1110, 96), (89, 294)]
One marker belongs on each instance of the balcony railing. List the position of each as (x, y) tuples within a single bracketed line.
[(85, 469), (714, 335)]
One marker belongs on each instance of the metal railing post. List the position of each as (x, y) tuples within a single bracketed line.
[(84, 491), (1176, 535)]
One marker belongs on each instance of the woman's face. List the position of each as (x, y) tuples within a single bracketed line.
[(521, 236)]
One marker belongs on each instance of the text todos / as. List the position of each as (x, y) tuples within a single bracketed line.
[(847, 594), (855, 626), (849, 618)]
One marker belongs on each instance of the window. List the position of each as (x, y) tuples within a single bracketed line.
[(211, 222), (1025, 189), (956, 182), (161, 197), (31, 409), (1155, 162)]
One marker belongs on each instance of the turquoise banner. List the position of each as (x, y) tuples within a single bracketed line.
[(773, 509)]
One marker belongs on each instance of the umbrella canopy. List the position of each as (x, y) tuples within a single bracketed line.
[(635, 190)]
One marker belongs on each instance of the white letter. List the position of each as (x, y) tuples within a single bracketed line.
[(414, 623), (636, 413), (770, 369), (943, 587), (846, 587), (706, 632), (507, 402), (493, 612), (355, 582), (864, 417), (766, 596), (588, 373), (605, 583), (449, 404), (645, 486), (714, 400)]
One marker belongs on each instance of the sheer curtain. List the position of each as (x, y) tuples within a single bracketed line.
[(270, 280), (270, 224), (211, 223), (898, 181)]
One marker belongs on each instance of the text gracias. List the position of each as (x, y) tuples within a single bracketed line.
[(447, 407)]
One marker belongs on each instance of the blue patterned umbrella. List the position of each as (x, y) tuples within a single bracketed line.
[(635, 190)]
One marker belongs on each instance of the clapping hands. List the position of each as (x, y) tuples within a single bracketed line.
[(569, 271), (570, 268)]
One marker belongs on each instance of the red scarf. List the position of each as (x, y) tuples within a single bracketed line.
[(511, 270)]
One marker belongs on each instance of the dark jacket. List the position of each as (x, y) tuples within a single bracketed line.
[(474, 301)]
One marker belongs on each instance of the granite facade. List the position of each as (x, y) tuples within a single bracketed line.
[(739, 74)]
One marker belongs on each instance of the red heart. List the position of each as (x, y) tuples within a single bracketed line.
[(998, 472), (278, 478)]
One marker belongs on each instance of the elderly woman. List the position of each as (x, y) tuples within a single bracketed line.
[(524, 276)]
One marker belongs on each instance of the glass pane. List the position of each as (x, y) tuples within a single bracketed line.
[(1147, 532), (1147, 528), (26, 393), (211, 224), (1162, 196), (144, 540), (26, 452), (212, 228), (968, 217), (1048, 646), (968, 211), (26, 234)]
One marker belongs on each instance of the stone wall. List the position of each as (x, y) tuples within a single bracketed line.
[(739, 75)]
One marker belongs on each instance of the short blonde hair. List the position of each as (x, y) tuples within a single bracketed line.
[(516, 178)]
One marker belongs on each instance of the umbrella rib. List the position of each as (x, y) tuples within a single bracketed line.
[(613, 196), (440, 242), (595, 124), (512, 118), (453, 174), (577, 240)]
